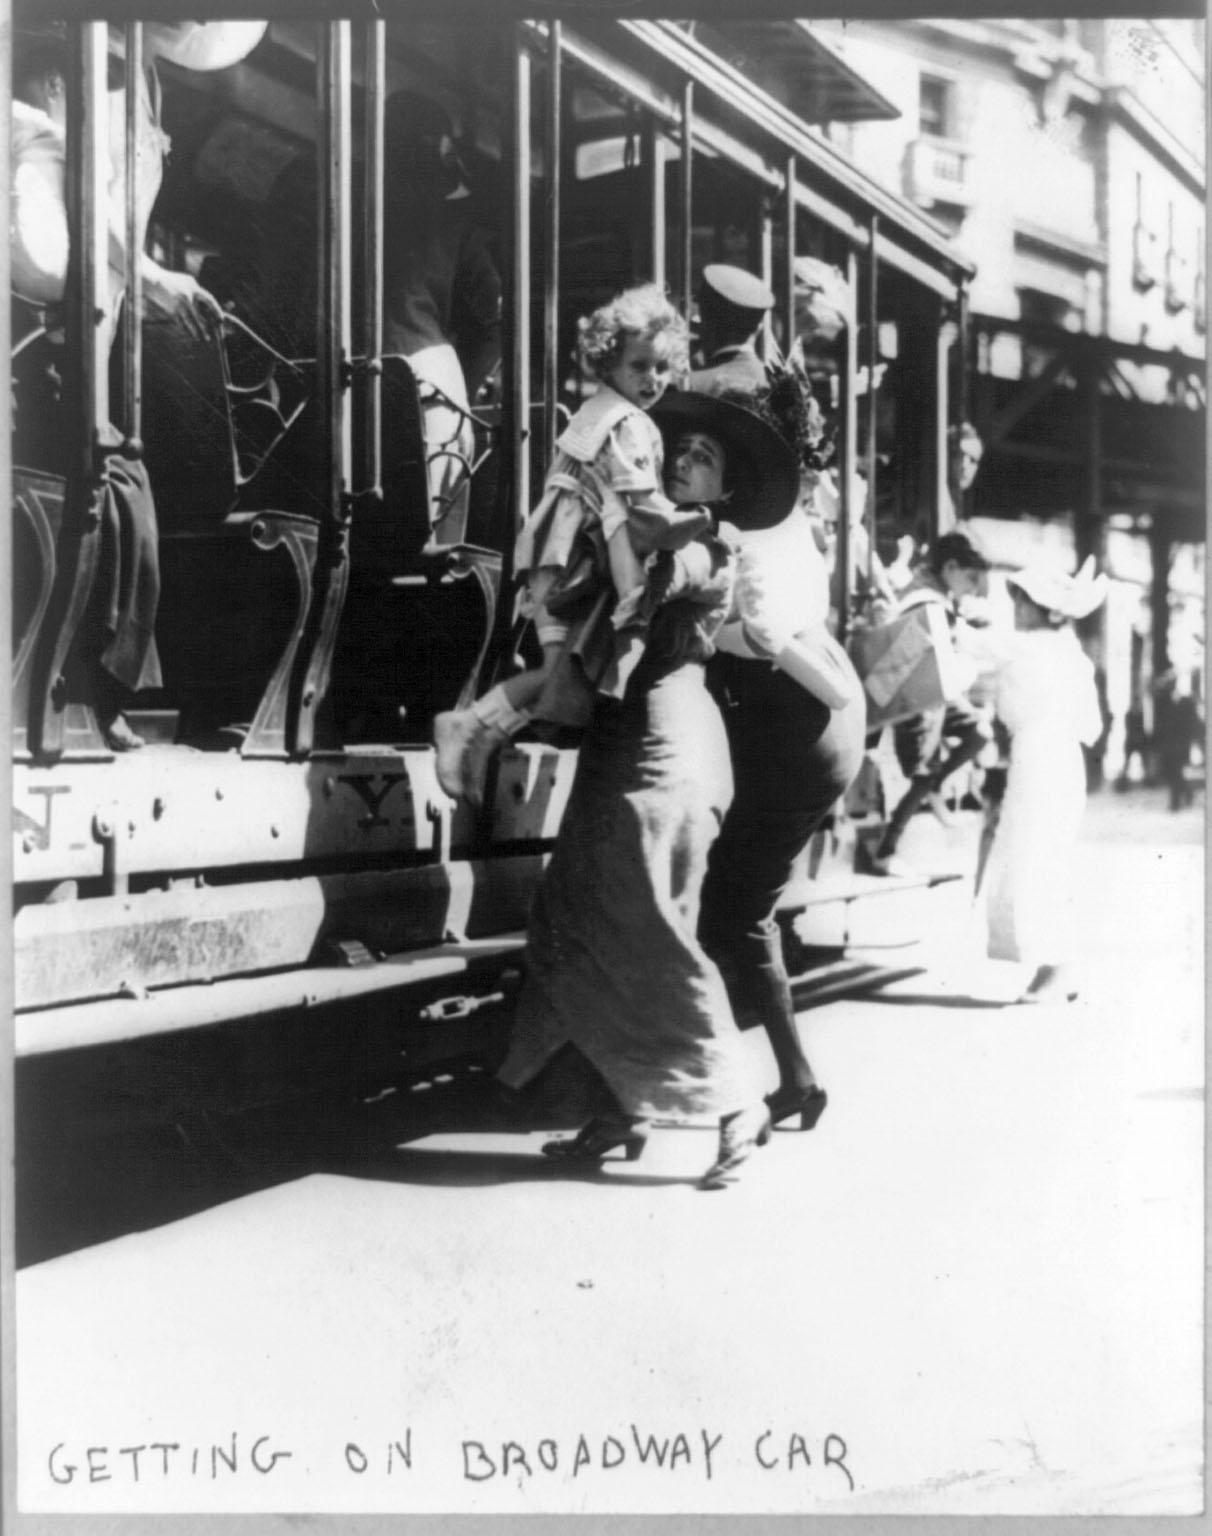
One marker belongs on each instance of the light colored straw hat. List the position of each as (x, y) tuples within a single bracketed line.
[(1062, 596)]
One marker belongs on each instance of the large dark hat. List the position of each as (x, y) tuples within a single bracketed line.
[(761, 470)]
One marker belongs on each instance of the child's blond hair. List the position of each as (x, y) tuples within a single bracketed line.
[(644, 311)]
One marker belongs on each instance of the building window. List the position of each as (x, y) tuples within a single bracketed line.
[(935, 107)]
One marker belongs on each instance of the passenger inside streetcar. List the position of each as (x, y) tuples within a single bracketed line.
[(115, 654), (442, 292)]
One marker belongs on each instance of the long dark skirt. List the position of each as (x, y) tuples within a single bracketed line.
[(792, 759), (127, 590), (614, 964)]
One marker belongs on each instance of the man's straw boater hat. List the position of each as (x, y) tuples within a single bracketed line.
[(203, 46)]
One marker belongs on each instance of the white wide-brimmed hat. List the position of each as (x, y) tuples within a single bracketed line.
[(1060, 595), (205, 45)]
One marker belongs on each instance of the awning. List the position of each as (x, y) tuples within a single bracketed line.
[(799, 68), (853, 194)]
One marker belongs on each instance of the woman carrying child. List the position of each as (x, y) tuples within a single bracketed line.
[(582, 551), (614, 963)]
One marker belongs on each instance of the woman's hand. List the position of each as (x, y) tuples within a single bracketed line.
[(815, 660), (179, 297)]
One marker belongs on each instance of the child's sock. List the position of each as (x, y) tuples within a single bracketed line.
[(496, 712)]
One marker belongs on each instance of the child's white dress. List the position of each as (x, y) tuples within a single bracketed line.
[(581, 553), (1046, 697)]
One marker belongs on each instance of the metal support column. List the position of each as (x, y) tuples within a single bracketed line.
[(1089, 527), (1161, 552), (788, 283), (132, 328), (848, 454), (686, 198), (551, 233), (519, 355), (766, 248), (333, 349), (6, 531), (873, 358), (654, 175), (44, 693), (371, 488)]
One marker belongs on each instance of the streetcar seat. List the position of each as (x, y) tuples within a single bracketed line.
[(237, 555)]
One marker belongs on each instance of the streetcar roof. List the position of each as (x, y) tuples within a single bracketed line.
[(750, 125), (524, 10)]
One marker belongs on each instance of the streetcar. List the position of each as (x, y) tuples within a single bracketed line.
[(334, 568)]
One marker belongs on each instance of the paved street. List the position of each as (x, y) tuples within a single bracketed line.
[(976, 1287)]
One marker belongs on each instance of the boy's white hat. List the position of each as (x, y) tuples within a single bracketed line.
[(1068, 597)]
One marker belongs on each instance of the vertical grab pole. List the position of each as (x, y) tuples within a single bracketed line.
[(372, 261), (333, 259), (873, 358), (686, 197), (333, 347), (766, 239), (132, 345), (551, 231), (520, 353), (88, 333), (654, 171), (849, 454), (18, 727), (86, 391), (789, 220)]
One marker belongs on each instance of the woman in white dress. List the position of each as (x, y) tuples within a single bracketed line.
[(1045, 696)]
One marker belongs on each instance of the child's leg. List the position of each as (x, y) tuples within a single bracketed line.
[(466, 738), (969, 728), (522, 690), (502, 712)]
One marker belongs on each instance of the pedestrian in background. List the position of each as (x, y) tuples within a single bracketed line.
[(933, 745), (1047, 700), (1176, 728)]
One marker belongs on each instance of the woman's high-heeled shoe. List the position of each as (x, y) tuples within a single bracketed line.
[(601, 1136), (789, 1100), (739, 1135), (1051, 984)]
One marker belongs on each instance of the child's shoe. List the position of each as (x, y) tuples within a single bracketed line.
[(487, 740), (467, 738), (453, 733)]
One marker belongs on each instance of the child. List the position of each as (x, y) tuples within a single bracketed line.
[(1047, 700), (582, 550), (954, 570)]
